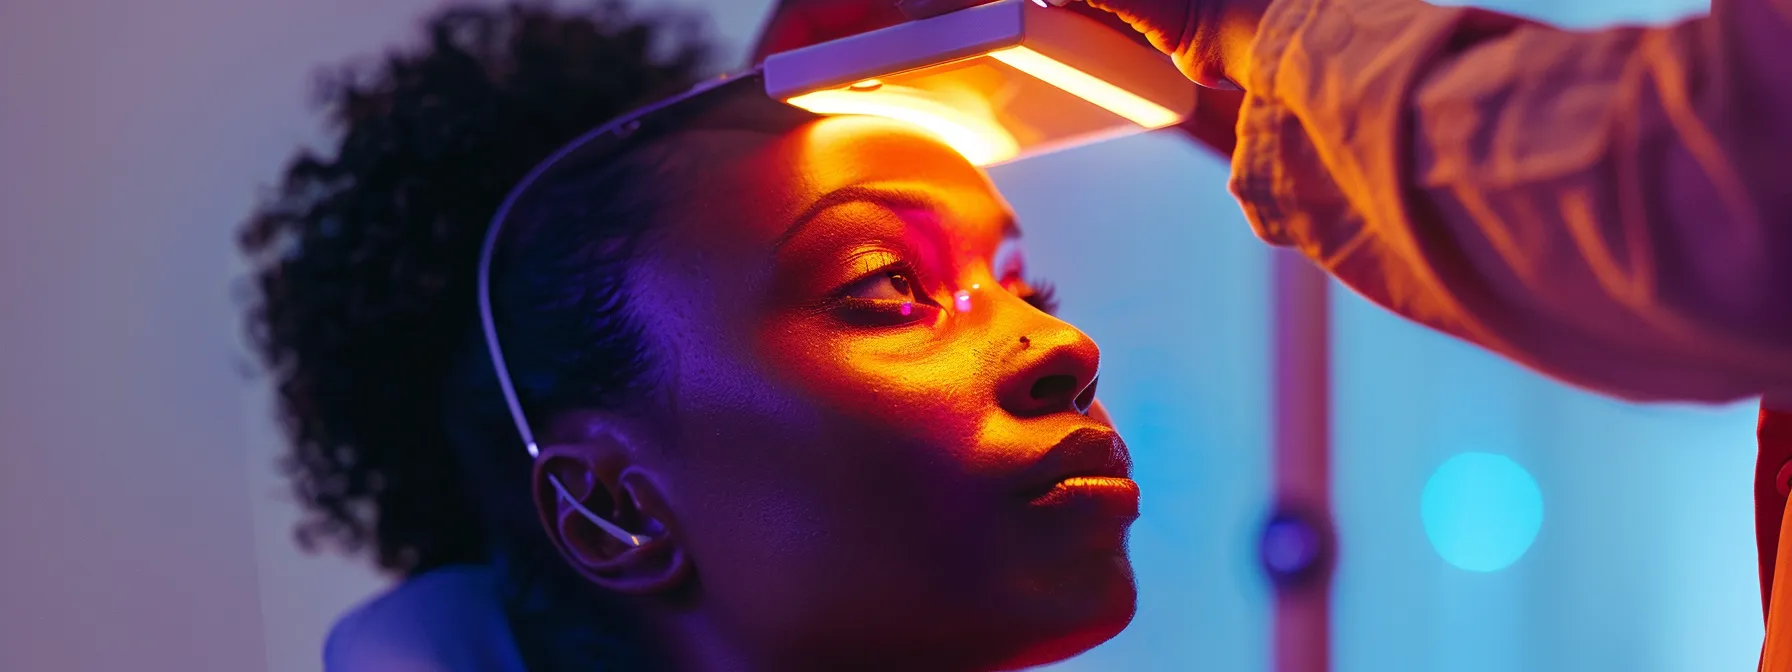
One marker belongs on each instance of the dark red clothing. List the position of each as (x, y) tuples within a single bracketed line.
[(1773, 472)]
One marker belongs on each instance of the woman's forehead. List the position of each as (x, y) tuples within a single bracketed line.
[(764, 182)]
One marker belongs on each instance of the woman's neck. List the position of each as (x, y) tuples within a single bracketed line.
[(694, 643)]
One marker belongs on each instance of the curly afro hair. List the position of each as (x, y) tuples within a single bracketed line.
[(363, 267)]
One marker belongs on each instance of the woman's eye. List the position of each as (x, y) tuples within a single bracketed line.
[(886, 286), (889, 297)]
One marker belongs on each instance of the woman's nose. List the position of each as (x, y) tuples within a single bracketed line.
[(1054, 371)]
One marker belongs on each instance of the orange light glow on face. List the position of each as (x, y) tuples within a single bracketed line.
[(1087, 87), (980, 139)]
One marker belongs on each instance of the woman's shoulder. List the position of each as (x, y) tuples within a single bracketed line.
[(448, 619)]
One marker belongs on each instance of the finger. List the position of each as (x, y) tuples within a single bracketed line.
[(1215, 121), (801, 23), (1113, 21)]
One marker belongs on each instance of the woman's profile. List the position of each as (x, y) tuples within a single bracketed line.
[(800, 359)]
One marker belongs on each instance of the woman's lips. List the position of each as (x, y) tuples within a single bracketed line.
[(1104, 495), (1088, 469), (1089, 451)]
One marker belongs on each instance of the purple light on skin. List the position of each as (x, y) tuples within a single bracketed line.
[(907, 308), (962, 301)]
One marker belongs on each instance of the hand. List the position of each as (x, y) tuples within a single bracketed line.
[(800, 23)]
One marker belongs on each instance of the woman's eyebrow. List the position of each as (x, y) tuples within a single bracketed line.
[(895, 198)]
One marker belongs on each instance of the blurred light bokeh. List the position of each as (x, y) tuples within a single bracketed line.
[(143, 524)]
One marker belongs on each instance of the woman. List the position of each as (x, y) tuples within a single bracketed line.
[(797, 358)]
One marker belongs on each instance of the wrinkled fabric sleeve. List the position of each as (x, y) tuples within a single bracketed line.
[(1611, 208)]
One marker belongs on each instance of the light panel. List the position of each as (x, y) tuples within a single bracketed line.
[(997, 82), (1088, 87)]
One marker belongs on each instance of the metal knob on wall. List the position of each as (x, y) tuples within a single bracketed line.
[(1297, 549)]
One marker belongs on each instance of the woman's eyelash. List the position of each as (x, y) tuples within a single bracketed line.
[(1041, 294), (876, 262)]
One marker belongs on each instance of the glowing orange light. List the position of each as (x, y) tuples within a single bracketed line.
[(981, 140), (1087, 87)]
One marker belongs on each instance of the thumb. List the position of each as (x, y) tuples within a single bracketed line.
[(1176, 28)]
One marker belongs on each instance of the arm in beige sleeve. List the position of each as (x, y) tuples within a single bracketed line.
[(1611, 208)]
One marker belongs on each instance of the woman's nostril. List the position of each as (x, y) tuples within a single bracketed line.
[(1086, 398), (1054, 387)]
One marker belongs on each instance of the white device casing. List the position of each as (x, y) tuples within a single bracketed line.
[(953, 57)]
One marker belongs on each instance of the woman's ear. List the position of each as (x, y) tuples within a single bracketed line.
[(607, 515)]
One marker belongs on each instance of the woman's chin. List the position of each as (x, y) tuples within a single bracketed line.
[(1083, 611)]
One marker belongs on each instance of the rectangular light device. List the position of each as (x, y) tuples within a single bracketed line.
[(997, 82)]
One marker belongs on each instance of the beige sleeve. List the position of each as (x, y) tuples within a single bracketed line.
[(1610, 207)]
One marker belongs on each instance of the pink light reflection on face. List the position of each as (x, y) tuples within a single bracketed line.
[(908, 308), (962, 301)]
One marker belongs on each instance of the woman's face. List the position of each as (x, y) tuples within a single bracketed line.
[(871, 442)]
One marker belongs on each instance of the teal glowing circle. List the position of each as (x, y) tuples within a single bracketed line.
[(1481, 511)]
